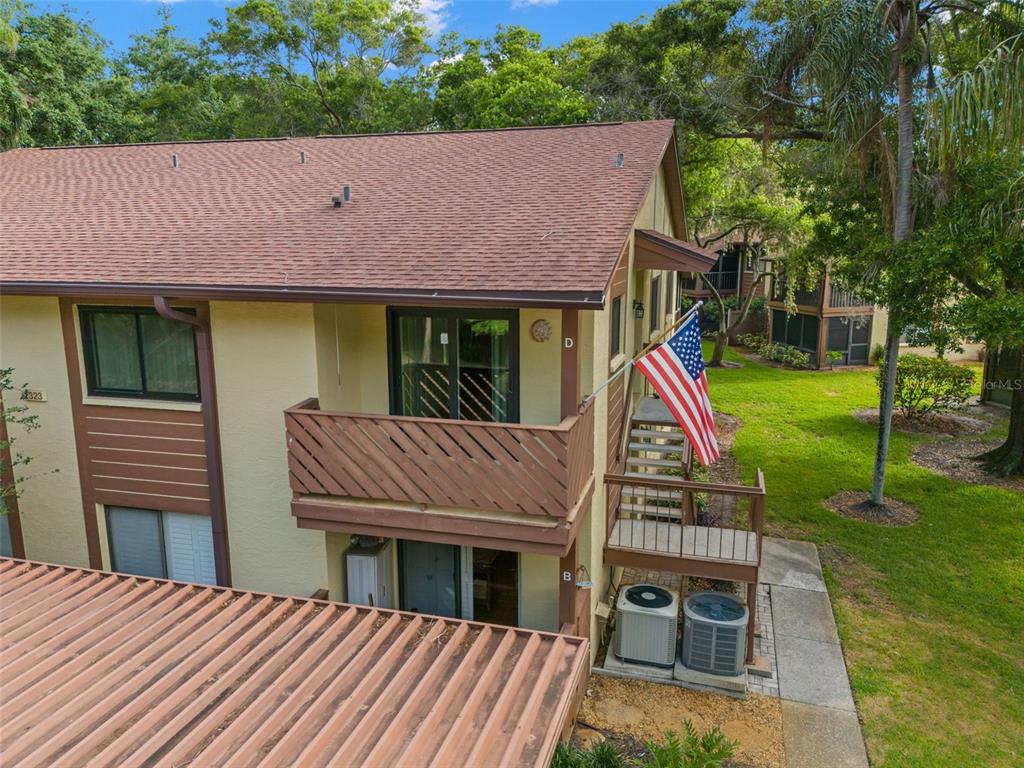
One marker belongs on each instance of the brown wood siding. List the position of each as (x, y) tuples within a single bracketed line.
[(619, 280), (513, 468), (148, 458)]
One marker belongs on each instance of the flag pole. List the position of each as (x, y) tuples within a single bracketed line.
[(650, 345)]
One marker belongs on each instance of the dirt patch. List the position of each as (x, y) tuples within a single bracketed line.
[(955, 459), (953, 423), (631, 712), (726, 364), (857, 505)]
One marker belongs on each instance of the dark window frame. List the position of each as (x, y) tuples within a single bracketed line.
[(453, 315), (89, 353), (655, 322), (615, 327)]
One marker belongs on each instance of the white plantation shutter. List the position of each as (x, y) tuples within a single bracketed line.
[(188, 542)]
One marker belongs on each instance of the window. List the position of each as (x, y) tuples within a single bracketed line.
[(616, 329), (449, 364), (655, 321), (6, 545), (133, 352), (165, 545)]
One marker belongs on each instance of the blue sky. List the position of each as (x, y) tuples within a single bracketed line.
[(555, 20)]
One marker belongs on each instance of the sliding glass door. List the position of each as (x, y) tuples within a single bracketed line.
[(454, 365)]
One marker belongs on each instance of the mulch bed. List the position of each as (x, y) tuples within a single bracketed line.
[(857, 506), (954, 458), (630, 712), (965, 422)]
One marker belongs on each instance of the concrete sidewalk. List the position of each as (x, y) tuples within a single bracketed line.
[(819, 720)]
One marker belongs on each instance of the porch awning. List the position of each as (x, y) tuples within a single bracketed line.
[(653, 250), (113, 670)]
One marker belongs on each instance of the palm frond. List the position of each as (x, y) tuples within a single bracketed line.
[(982, 109)]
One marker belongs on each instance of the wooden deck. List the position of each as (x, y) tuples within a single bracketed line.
[(691, 541)]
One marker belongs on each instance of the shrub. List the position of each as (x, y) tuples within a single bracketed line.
[(927, 385), (686, 750), (779, 353), (878, 354)]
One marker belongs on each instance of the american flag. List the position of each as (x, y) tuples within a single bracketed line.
[(676, 371)]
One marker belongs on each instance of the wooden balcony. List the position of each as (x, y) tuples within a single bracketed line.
[(510, 486), (709, 530)]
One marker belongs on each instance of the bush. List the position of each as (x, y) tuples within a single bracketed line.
[(927, 385), (779, 353), (686, 750), (878, 354)]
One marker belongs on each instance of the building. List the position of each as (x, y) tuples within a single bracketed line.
[(256, 362)]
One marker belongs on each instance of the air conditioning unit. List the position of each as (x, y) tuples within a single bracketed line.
[(645, 630), (368, 573), (714, 633)]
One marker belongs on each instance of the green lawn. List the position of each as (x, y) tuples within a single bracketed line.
[(931, 616)]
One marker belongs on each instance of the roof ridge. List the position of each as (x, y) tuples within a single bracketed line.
[(507, 129)]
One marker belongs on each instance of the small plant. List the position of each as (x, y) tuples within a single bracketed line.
[(601, 755), (878, 355), (690, 750), (833, 356), (926, 385), (753, 341)]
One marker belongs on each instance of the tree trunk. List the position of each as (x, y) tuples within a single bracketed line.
[(901, 228), (892, 349), (721, 342), (1008, 459)]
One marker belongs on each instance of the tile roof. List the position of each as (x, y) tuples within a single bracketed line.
[(103, 669), (542, 210)]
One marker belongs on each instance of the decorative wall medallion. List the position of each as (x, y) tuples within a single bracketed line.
[(540, 330)]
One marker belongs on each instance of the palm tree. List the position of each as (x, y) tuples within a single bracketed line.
[(851, 67)]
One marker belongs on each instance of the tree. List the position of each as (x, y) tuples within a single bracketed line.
[(54, 86), (332, 53), (743, 196), (509, 80), (174, 93), (848, 71), (10, 460)]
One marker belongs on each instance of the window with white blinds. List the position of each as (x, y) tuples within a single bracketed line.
[(168, 545)]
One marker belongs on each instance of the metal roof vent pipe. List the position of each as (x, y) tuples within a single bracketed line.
[(344, 197), (174, 161)]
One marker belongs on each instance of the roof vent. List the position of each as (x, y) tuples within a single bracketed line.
[(302, 158), (174, 160), (344, 197), (620, 160)]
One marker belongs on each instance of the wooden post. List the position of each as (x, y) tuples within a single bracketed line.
[(571, 361), (567, 567)]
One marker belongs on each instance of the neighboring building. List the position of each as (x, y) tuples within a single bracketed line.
[(245, 354), (732, 274), (826, 319)]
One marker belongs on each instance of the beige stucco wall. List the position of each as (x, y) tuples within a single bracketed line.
[(352, 357), (52, 521), (540, 369), (880, 324), (538, 592), (265, 361)]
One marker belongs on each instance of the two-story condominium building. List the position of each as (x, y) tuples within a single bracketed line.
[(371, 365)]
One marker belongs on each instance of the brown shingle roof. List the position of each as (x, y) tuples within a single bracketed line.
[(539, 211), (103, 669)]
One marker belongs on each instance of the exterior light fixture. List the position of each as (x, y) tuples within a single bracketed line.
[(638, 309)]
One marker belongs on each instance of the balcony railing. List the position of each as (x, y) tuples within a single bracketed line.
[(840, 298), (723, 281), (543, 471)]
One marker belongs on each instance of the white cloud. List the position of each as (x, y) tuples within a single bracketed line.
[(436, 14), (532, 3)]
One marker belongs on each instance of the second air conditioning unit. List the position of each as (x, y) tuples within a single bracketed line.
[(645, 629), (714, 633)]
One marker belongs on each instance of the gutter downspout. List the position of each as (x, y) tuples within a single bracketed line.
[(211, 431)]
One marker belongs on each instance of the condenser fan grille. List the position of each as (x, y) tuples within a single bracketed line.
[(648, 596)]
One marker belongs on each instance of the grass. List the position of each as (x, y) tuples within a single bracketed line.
[(931, 616)]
